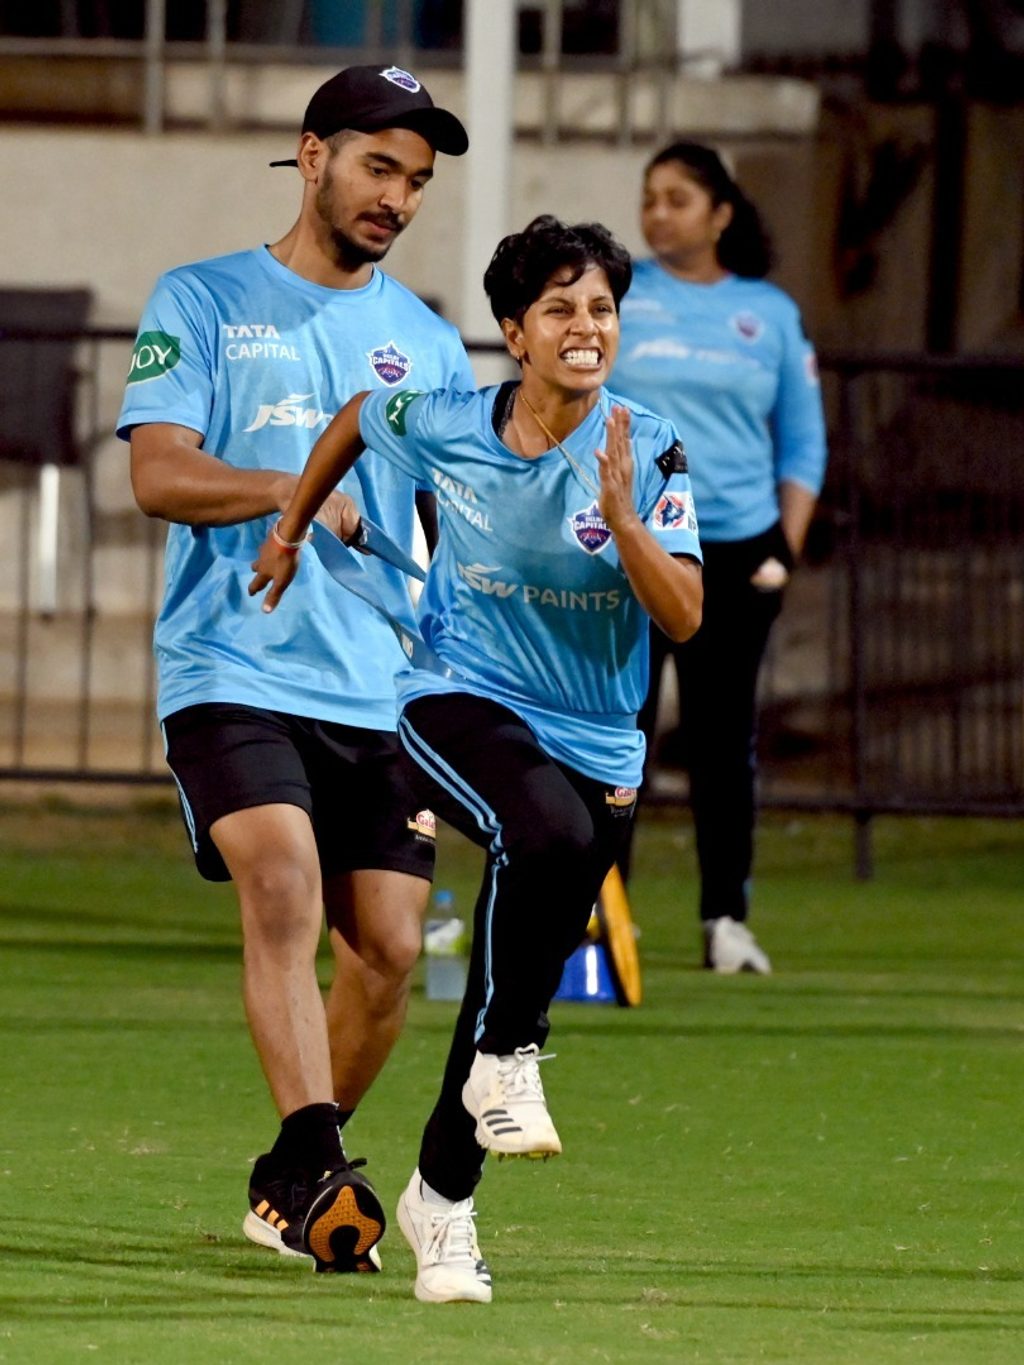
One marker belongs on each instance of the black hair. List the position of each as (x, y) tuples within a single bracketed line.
[(524, 262), (744, 247)]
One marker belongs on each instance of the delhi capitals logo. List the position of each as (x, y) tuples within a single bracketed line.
[(748, 325), (389, 364), (401, 78), (589, 529), (674, 512)]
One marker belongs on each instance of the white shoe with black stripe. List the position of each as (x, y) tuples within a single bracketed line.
[(505, 1096), (449, 1267)]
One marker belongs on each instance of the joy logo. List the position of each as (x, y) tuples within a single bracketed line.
[(394, 410), (155, 353)]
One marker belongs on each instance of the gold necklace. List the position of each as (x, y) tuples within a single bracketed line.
[(574, 465)]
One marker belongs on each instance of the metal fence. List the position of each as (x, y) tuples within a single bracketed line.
[(925, 511), (635, 42), (895, 681)]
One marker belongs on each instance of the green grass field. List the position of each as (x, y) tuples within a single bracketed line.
[(822, 1166)]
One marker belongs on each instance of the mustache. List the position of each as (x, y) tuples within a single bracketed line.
[(390, 221)]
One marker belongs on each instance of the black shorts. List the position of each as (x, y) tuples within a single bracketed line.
[(356, 785)]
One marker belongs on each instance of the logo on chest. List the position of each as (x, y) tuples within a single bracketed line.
[(748, 326), (389, 364), (589, 529)]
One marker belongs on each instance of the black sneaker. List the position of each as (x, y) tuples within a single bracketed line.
[(278, 1203), (344, 1222)]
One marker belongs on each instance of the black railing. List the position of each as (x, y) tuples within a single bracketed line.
[(896, 677)]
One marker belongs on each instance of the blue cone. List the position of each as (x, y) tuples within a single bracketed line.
[(587, 977)]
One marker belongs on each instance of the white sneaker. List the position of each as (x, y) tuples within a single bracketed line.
[(505, 1096), (730, 947), (449, 1267)]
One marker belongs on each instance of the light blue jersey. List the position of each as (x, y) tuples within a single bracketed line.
[(257, 360), (728, 364), (525, 598)]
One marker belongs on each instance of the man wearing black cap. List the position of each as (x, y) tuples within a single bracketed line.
[(280, 729)]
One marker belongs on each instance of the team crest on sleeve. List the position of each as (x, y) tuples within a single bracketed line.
[(389, 364), (748, 326), (811, 368), (589, 529), (675, 512), (404, 79)]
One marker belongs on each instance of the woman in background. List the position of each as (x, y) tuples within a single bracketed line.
[(710, 345)]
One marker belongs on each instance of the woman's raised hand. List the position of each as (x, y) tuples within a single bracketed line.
[(615, 463)]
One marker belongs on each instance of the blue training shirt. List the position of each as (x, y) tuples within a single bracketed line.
[(525, 598), (728, 364), (257, 360)]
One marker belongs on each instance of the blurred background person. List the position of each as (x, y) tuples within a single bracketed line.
[(721, 353)]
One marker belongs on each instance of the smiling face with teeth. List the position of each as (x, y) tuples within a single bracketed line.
[(569, 336)]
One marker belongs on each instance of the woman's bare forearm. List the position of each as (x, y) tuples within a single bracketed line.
[(333, 455)]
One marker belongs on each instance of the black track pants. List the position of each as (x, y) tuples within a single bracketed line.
[(551, 835), (718, 673)]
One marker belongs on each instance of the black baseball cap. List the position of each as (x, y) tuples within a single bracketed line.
[(368, 98)]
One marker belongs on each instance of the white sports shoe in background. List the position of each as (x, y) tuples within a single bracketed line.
[(505, 1096), (730, 947), (449, 1267)]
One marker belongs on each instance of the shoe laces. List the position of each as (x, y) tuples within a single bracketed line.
[(452, 1235), (289, 1191), (519, 1073), (344, 1165), (299, 1185)]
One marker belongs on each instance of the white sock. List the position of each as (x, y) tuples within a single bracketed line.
[(431, 1196)]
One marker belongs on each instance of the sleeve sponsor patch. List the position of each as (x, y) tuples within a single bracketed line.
[(675, 512), (154, 354), (394, 409), (673, 460)]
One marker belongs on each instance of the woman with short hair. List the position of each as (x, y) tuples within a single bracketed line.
[(553, 555)]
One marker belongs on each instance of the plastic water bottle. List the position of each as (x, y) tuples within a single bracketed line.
[(444, 944)]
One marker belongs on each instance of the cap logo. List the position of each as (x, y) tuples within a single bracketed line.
[(389, 364), (401, 78)]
